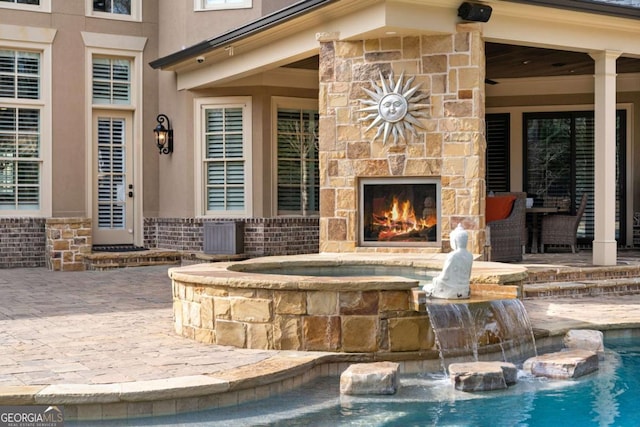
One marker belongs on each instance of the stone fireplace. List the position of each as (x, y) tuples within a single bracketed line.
[(405, 114), (399, 212)]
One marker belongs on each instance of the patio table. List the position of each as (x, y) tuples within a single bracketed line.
[(534, 211)]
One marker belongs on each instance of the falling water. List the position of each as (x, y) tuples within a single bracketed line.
[(471, 331)]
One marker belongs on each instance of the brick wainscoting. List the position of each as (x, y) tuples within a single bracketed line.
[(22, 242), (262, 236)]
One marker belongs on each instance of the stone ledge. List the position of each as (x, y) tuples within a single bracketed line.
[(150, 254), (482, 376), (112, 260), (585, 339), (370, 379), (172, 388), (568, 274), (563, 364), (623, 286)]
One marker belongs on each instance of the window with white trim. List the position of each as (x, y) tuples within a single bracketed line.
[(200, 5), (20, 131), (225, 132), (130, 10), (298, 176), (111, 81), (32, 5)]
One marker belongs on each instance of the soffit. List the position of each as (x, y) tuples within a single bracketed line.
[(288, 28), (295, 40)]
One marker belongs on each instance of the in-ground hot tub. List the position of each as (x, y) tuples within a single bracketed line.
[(306, 302)]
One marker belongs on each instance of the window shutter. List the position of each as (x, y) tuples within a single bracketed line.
[(111, 165), (111, 81), (497, 157), (225, 165), (585, 169), (19, 159), (19, 74)]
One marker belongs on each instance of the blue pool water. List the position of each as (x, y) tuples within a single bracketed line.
[(608, 397)]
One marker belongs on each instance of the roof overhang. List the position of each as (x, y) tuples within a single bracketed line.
[(227, 58), (611, 8), (253, 51), (573, 30)]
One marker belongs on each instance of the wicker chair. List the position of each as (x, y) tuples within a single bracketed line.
[(562, 230), (505, 237)]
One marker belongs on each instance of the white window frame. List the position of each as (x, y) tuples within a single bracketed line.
[(200, 106), (290, 103), (201, 5), (44, 6), (44, 105), (136, 12)]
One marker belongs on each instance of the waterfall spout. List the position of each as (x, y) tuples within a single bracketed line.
[(487, 330)]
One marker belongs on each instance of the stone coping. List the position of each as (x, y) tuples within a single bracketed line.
[(282, 372), (147, 253), (246, 274)]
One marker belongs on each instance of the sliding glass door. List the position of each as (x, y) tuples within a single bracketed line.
[(559, 164)]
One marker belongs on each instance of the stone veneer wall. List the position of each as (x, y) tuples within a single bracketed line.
[(451, 146), (336, 319), (68, 241), (262, 236), (22, 242)]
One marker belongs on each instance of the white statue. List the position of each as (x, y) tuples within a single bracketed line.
[(453, 281)]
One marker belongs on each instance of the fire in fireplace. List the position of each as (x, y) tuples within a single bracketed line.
[(399, 211)]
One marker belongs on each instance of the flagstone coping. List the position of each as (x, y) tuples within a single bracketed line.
[(283, 371)]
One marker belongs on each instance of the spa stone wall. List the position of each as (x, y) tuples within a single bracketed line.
[(338, 319), (450, 145)]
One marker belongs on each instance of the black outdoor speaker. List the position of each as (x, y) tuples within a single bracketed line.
[(474, 12)]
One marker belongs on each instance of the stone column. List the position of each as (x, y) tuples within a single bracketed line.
[(469, 129), (448, 145), (68, 240), (332, 228)]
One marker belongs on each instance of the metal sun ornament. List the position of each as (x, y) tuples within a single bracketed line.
[(394, 108)]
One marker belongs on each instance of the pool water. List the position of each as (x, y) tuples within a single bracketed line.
[(350, 270), (608, 397)]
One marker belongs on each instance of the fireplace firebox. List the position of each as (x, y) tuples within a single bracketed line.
[(399, 211)]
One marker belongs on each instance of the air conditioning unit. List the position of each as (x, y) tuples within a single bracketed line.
[(225, 237)]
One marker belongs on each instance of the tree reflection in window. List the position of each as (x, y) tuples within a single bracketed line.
[(121, 7)]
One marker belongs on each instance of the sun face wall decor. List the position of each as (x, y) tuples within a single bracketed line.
[(394, 108)]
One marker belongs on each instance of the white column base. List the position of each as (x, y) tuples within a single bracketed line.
[(605, 252)]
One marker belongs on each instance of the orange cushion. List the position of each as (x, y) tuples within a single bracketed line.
[(499, 207)]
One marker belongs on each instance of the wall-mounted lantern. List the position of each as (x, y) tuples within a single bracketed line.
[(164, 136)]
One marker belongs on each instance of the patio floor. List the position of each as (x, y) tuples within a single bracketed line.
[(103, 343)]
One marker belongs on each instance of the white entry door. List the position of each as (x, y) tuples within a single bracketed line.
[(113, 191)]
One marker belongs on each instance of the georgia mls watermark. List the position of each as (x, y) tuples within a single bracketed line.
[(31, 416)]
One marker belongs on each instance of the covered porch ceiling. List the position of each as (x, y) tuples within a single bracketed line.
[(505, 61)]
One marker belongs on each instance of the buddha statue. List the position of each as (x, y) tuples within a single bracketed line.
[(453, 281)]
